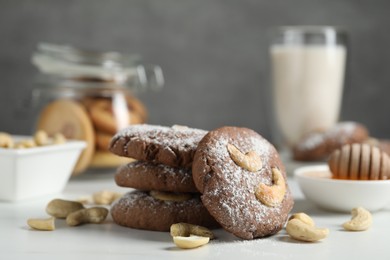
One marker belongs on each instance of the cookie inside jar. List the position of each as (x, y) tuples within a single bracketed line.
[(90, 96)]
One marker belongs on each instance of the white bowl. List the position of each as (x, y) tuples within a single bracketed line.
[(341, 195), (33, 172)]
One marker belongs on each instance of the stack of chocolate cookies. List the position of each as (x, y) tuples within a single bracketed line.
[(229, 177), (165, 192)]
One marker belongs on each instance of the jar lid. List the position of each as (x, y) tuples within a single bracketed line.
[(72, 63)]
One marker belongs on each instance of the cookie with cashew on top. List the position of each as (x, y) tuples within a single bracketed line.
[(242, 181)]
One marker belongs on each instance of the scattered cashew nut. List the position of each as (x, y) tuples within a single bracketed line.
[(42, 224), (170, 196), (95, 215), (361, 220), (250, 161), (105, 197), (273, 195), (303, 217), (186, 230), (302, 231), (87, 199), (62, 208), (190, 242), (188, 236)]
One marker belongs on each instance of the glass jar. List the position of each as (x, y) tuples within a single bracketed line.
[(90, 96)]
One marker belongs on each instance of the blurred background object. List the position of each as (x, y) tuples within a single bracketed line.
[(214, 54), (90, 96), (308, 69)]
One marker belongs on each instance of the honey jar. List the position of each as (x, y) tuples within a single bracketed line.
[(90, 96)]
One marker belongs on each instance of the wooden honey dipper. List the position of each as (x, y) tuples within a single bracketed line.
[(359, 162)]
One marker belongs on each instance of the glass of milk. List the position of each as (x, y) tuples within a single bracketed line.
[(308, 67)]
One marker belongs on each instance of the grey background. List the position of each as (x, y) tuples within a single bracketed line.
[(213, 54)]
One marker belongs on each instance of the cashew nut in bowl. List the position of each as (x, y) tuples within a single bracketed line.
[(59, 138), (361, 220), (28, 143), (6, 140), (41, 138)]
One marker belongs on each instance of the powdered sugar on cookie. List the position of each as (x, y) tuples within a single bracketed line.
[(181, 137), (241, 184), (339, 133), (229, 190), (173, 146), (138, 209), (318, 145), (150, 176)]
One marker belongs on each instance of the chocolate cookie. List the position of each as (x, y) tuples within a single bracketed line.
[(148, 176), (234, 169), (173, 146), (319, 145), (140, 210)]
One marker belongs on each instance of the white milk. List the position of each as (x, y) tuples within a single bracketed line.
[(307, 86)]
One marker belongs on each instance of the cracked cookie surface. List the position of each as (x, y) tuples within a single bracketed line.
[(140, 210), (149, 176), (173, 146)]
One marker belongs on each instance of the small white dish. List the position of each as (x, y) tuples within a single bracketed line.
[(341, 195), (33, 172)]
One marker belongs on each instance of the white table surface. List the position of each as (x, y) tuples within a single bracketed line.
[(110, 241)]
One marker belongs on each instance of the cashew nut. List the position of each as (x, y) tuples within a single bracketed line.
[(170, 196), (6, 140), (42, 224), (28, 143), (273, 195), (95, 215), (186, 230), (250, 161), (62, 208), (41, 138), (59, 138), (303, 217), (361, 220), (300, 230), (105, 197), (87, 199), (190, 242)]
